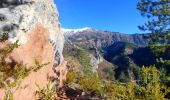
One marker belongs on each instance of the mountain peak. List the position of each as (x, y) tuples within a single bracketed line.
[(76, 30)]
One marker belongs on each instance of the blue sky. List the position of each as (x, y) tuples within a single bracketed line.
[(111, 15)]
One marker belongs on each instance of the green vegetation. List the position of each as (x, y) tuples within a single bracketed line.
[(114, 91), (90, 84), (160, 50), (158, 14), (11, 74), (110, 72), (150, 86), (46, 93), (82, 56), (70, 78)]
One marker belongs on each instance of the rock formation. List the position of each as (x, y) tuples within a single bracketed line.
[(95, 60), (61, 71), (35, 24)]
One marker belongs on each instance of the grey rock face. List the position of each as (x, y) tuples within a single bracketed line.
[(18, 17), (95, 61), (35, 25)]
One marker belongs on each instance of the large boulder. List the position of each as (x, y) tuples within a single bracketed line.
[(35, 24)]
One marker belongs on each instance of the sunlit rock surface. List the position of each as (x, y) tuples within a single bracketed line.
[(35, 24)]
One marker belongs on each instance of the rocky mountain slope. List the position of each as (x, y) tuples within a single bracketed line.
[(119, 51), (35, 25), (101, 39)]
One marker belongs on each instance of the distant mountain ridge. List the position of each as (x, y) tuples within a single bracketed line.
[(99, 38)]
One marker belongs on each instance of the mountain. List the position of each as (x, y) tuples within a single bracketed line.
[(120, 52), (101, 38)]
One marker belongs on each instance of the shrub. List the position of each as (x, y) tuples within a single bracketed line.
[(114, 91), (70, 78), (150, 85), (46, 93), (12, 74), (110, 72), (90, 84)]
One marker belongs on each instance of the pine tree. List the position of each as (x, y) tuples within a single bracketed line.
[(158, 24), (158, 14)]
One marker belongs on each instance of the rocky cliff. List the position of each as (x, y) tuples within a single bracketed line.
[(35, 25)]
